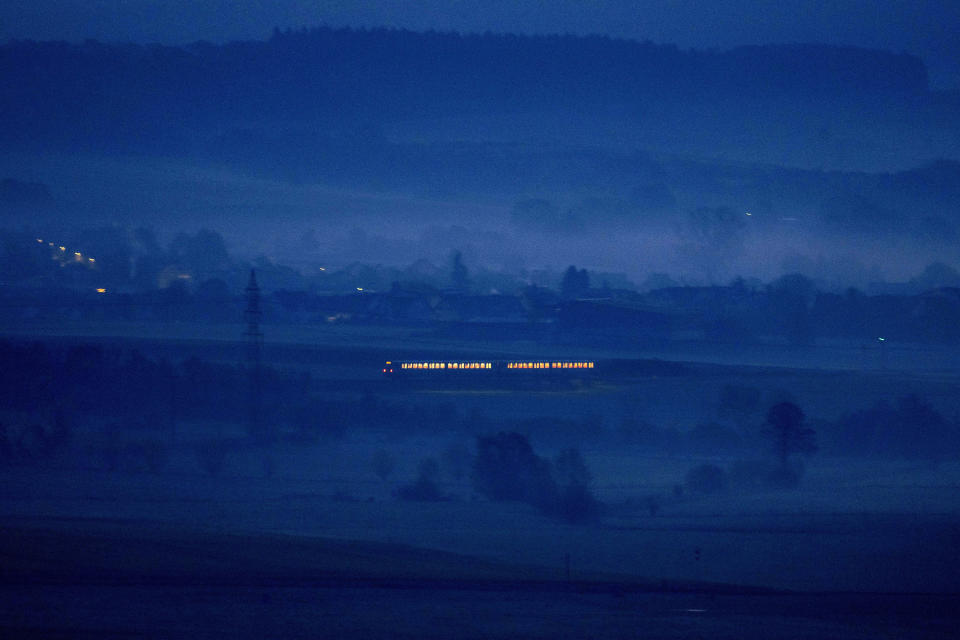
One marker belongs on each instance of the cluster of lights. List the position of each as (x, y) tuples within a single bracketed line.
[(60, 255)]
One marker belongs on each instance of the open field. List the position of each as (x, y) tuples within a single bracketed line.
[(121, 579), (320, 546)]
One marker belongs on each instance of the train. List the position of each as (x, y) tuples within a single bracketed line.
[(454, 367), (528, 369)]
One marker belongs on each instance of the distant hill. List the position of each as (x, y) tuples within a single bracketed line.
[(156, 97)]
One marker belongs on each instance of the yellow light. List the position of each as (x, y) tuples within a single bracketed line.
[(359, 288), (40, 240), (63, 248), (101, 290), (76, 253), (91, 259)]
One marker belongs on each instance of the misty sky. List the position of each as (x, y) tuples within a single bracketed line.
[(926, 28)]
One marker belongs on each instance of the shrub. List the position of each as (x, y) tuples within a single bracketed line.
[(506, 468)]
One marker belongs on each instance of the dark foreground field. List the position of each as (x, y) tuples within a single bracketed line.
[(102, 579), (307, 540)]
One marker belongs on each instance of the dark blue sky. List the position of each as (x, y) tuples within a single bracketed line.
[(927, 28)]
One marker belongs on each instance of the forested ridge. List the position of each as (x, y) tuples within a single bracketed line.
[(67, 92)]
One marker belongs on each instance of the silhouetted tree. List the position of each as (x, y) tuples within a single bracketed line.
[(575, 501), (575, 283), (506, 468), (786, 430), (459, 276)]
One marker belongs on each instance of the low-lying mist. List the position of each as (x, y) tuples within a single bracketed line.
[(661, 230)]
